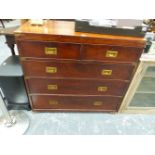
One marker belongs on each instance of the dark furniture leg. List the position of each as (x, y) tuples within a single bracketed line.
[(10, 41), (11, 46), (9, 36), (2, 23)]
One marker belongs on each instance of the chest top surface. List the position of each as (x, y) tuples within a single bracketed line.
[(64, 31)]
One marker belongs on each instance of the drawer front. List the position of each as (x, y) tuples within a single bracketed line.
[(70, 86), (78, 69), (48, 50), (111, 53), (75, 103)]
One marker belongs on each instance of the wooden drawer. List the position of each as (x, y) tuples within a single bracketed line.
[(78, 69), (75, 103), (48, 50), (70, 86), (111, 53)]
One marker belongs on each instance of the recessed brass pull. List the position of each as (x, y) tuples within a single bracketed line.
[(102, 88), (106, 72), (52, 87), (50, 50), (51, 69), (98, 103), (112, 54), (53, 102)]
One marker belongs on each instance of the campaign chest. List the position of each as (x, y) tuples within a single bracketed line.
[(66, 70)]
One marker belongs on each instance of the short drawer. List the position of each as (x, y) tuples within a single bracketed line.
[(111, 53), (78, 69), (48, 50), (75, 103), (75, 86)]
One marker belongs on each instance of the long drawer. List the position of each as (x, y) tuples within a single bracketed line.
[(111, 53), (75, 103), (49, 50), (78, 86), (72, 69)]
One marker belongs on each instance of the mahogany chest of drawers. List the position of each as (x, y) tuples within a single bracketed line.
[(66, 70)]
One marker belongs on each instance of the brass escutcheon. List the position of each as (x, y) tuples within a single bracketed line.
[(53, 102), (52, 87), (51, 69), (50, 50), (102, 88), (98, 103), (106, 72), (112, 54)]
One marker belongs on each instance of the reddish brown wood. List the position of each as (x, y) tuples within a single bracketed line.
[(98, 52), (74, 51), (79, 61), (74, 69), (37, 49), (64, 31), (81, 87), (75, 103)]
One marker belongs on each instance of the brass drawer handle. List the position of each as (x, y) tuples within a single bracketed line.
[(53, 102), (50, 50), (112, 54), (106, 72), (51, 69), (102, 88), (52, 87), (98, 103)]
